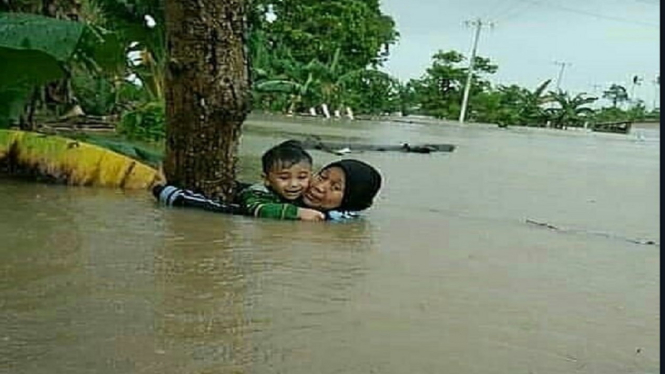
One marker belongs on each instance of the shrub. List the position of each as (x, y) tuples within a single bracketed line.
[(146, 122)]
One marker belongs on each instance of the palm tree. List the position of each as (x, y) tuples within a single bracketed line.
[(571, 110), (616, 94)]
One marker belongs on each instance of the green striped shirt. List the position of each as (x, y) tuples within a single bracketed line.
[(260, 201)]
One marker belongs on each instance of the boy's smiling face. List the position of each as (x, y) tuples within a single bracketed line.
[(289, 182)]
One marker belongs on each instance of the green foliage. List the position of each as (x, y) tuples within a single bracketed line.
[(127, 19), (408, 101), (571, 111), (499, 106), (146, 153), (146, 122), (439, 91), (311, 53), (372, 92), (313, 29), (300, 93), (531, 112), (30, 32), (33, 51), (22, 71), (611, 114), (96, 95), (511, 105), (307, 54), (635, 113), (100, 52), (617, 94), (653, 115)]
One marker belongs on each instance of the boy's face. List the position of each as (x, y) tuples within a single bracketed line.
[(289, 182)]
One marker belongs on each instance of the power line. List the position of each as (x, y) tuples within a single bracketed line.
[(489, 10), (501, 10), (584, 12), (654, 2), (516, 11)]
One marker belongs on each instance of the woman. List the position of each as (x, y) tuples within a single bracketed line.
[(339, 190), (346, 185)]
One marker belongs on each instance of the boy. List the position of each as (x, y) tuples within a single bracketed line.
[(287, 169)]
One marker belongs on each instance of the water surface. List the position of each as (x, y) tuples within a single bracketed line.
[(444, 274)]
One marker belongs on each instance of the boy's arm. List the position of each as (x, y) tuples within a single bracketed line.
[(262, 203)]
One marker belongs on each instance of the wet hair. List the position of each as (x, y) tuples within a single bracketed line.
[(285, 155)]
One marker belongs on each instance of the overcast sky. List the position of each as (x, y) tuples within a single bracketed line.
[(604, 41)]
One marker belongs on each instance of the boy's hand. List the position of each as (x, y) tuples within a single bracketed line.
[(306, 214)]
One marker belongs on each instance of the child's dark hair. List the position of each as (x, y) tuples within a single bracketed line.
[(287, 154)]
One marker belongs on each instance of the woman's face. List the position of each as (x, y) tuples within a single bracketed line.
[(326, 189)]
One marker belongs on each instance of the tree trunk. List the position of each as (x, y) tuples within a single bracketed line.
[(207, 93)]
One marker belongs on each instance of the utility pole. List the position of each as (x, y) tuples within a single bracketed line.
[(465, 99), (637, 81), (656, 85), (563, 65), (595, 87)]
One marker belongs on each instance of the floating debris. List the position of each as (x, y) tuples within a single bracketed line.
[(597, 233), (315, 142)]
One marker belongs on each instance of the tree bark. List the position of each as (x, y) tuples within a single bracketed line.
[(207, 93)]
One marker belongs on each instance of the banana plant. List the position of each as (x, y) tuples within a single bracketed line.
[(329, 77), (35, 50), (300, 82), (530, 105), (571, 110), (297, 90), (129, 21)]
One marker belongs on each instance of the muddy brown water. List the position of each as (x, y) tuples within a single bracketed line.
[(444, 274)]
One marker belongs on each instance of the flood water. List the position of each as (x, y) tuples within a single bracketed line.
[(443, 275)]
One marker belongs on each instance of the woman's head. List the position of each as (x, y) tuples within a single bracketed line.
[(343, 185)]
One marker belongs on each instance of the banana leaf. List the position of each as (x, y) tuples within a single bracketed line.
[(278, 86), (34, 50), (30, 32), (61, 160), (126, 148)]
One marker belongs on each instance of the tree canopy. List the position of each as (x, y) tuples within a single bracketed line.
[(303, 54)]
